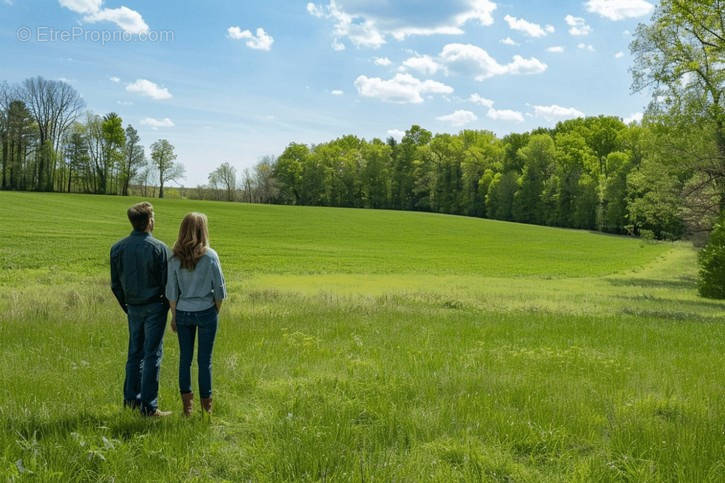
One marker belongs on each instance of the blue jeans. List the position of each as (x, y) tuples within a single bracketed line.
[(146, 325), (187, 324)]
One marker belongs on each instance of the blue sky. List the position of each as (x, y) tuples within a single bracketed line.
[(204, 76)]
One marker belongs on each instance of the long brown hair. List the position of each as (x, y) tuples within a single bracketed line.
[(193, 240)]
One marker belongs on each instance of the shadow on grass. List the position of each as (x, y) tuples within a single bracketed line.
[(682, 283), (124, 425), (670, 315), (702, 303)]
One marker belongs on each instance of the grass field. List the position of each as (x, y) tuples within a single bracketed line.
[(366, 345)]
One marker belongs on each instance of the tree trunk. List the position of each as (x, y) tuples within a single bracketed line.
[(6, 156)]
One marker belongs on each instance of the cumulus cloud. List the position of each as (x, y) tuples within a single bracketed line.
[(367, 24), (128, 20), (384, 61), (619, 55), (556, 113), (82, 6), (401, 89), (496, 114), (470, 59), (584, 46), (396, 133), (619, 9), (577, 26), (529, 28), (358, 30), (423, 64), (261, 41), (505, 115), (481, 101), (555, 49), (522, 66), (458, 118), (149, 89), (337, 92), (157, 123), (508, 41), (314, 10), (635, 117), (115, 79)]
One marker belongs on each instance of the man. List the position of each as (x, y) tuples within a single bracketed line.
[(138, 280)]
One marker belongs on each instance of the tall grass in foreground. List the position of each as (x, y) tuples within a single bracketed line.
[(352, 388)]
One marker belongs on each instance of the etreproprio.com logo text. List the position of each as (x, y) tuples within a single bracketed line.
[(77, 34)]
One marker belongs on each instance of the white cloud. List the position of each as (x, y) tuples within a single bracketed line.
[(115, 79), (337, 92), (619, 9), (384, 61), (157, 123), (396, 133), (458, 118), (522, 66), (401, 89), (584, 46), (470, 59), (557, 113), (529, 28), (505, 115), (635, 117), (261, 41), (367, 24), (508, 41), (481, 101), (401, 33), (496, 114), (124, 103), (556, 49), (150, 89), (480, 10), (358, 30), (423, 64), (314, 10), (619, 55), (128, 20), (577, 26), (82, 6)]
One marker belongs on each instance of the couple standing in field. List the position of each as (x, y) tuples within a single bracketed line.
[(149, 280)]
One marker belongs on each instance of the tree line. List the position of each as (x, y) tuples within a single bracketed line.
[(592, 173), (49, 143)]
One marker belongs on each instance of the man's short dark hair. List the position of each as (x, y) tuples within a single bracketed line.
[(140, 215)]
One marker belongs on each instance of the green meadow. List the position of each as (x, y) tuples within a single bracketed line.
[(362, 345)]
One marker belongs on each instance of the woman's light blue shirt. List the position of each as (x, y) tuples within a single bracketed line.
[(196, 290)]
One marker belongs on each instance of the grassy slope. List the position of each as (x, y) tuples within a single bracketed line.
[(73, 233), (364, 344)]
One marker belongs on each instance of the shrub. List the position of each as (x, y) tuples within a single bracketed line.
[(711, 282)]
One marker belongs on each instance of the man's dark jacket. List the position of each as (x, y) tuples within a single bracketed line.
[(138, 270)]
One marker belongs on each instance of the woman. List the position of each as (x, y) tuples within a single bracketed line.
[(195, 290)]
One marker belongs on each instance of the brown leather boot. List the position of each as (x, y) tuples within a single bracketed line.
[(187, 400), (206, 404)]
